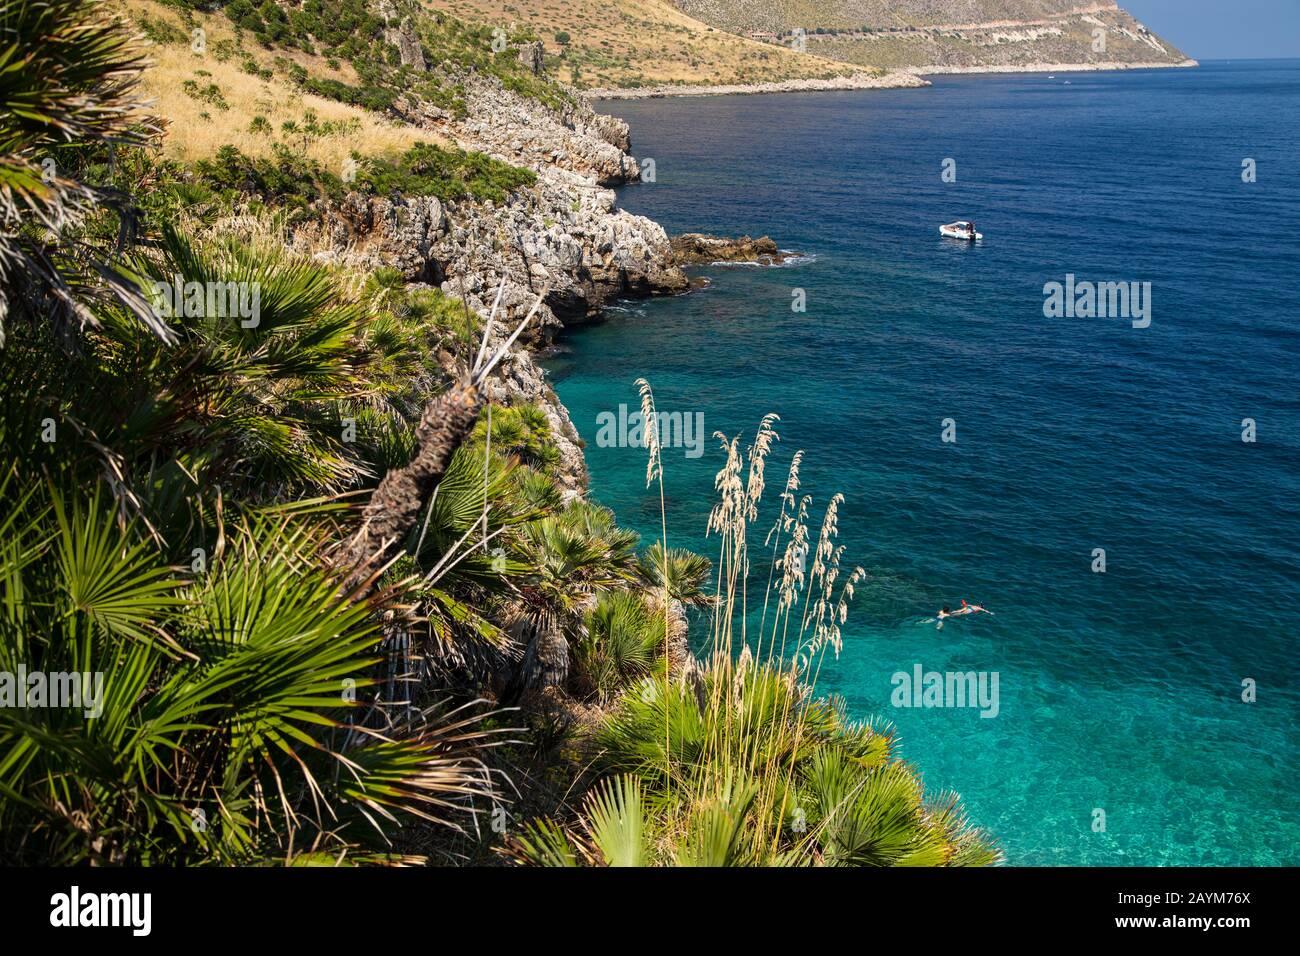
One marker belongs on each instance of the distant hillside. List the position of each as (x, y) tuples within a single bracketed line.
[(643, 43), (741, 16), (946, 35)]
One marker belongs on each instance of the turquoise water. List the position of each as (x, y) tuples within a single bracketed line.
[(1118, 691)]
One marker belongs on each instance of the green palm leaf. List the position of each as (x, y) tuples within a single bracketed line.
[(616, 821)]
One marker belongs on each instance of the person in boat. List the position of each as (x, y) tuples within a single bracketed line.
[(970, 228)]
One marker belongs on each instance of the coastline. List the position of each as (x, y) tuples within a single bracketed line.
[(576, 236), (1052, 67), (570, 235), (689, 339), (538, 610), (897, 79), (908, 77)]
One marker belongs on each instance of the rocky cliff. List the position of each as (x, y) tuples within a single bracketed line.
[(564, 235)]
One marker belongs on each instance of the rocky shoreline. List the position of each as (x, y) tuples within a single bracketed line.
[(903, 78), (564, 235), (698, 249)]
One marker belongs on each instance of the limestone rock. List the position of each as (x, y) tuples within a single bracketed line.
[(408, 45), (695, 248), (532, 55)]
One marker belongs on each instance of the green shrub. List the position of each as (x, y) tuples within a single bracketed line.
[(424, 170)]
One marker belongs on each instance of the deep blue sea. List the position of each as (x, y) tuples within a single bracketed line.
[(1119, 691)]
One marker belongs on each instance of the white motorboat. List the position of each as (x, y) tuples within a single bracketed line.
[(961, 230)]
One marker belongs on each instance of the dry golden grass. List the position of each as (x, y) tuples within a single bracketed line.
[(196, 128), (618, 43)]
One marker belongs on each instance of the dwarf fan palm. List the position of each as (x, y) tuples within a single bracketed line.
[(619, 642), (676, 579), (223, 717), (752, 773), (67, 81), (573, 556)]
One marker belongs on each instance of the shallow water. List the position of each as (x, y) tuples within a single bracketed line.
[(1118, 691)]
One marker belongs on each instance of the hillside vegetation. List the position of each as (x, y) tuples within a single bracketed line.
[(642, 43), (232, 89), (744, 15), (635, 43)]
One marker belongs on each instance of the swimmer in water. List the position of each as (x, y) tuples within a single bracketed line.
[(964, 609)]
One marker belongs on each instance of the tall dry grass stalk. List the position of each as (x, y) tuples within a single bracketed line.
[(804, 607), (654, 469)]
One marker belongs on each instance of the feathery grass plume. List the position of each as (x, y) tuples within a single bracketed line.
[(727, 519), (650, 429), (729, 509), (793, 562), (744, 765), (655, 470), (788, 501), (755, 484)]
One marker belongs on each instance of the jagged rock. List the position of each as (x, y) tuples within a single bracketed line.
[(612, 130), (525, 131), (371, 232), (563, 235), (532, 55), (695, 248), (408, 45)]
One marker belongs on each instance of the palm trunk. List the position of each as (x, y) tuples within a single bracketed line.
[(546, 662), (678, 647), (395, 506)]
